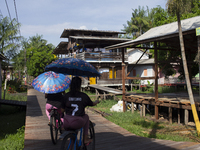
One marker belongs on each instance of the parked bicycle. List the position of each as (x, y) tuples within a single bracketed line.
[(73, 139), (55, 125)]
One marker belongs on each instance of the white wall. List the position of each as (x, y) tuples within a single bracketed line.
[(140, 72), (135, 55)]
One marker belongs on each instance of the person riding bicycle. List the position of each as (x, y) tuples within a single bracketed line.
[(54, 100), (74, 107)]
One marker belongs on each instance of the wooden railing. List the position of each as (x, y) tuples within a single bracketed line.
[(177, 80), (98, 56), (111, 82)]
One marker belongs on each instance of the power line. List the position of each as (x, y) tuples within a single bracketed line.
[(8, 9), (17, 17)]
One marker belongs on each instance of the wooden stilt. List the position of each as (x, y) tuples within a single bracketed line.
[(170, 115), (143, 110), (179, 117), (132, 107), (186, 116)]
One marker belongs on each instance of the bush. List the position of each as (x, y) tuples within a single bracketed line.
[(14, 86)]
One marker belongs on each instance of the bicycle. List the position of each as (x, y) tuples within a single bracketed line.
[(55, 125), (73, 139)]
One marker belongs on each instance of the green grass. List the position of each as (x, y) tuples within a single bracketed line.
[(141, 126), (12, 124), (15, 96)]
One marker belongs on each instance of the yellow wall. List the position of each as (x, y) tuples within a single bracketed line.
[(111, 73), (92, 80)]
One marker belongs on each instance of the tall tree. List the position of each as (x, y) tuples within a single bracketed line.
[(157, 16), (38, 55), (138, 23), (178, 7), (8, 36)]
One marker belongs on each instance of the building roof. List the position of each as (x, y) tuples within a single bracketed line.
[(61, 48), (167, 33), (134, 49), (67, 32), (144, 62), (99, 38)]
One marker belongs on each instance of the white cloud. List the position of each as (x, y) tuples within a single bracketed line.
[(83, 27), (95, 28)]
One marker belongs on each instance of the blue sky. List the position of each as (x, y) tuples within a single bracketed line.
[(50, 17)]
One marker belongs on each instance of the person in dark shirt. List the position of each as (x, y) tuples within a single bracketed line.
[(74, 107), (54, 100)]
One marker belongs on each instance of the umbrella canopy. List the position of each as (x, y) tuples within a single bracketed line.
[(51, 82), (73, 66)]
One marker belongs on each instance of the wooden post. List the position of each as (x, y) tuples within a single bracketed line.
[(143, 110), (156, 79), (123, 80), (170, 115), (132, 107), (186, 116), (179, 116), (131, 87), (96, 93), (198, 41)]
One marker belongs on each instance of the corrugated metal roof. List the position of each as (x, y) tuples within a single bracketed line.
[(67, 32), (99, 38), (61, 48), (162, 31)]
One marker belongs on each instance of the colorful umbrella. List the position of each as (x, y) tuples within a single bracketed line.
[(51, 82), (73, 66)]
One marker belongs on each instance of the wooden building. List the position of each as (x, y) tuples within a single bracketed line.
[(169, 35), (89, 46)]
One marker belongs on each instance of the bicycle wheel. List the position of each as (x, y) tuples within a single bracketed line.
[(53, 129), (91, 135), (59, 124), (68, 142)]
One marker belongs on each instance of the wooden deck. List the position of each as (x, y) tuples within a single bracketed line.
[(108, 135), (13, 102)]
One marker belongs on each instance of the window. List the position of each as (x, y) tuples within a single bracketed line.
[(145, 72)]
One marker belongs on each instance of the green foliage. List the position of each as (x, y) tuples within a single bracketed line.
[(158, 16), (139, 125), (15, 95), (39, 54), (12, 128), (138, 24), (14, 141), (136, 81), (8, 36)]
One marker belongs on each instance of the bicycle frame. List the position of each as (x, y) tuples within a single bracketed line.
[(71, 138), (76, 140)]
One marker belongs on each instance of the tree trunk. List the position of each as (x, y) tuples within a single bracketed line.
[(189, 88)]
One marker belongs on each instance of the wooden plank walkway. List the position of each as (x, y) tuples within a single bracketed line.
[(109, 136), (106, 89), (13, 102)]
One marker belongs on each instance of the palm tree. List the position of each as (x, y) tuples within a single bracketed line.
[(8, 34), (138, 23), (177, 7)]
